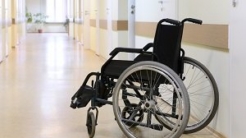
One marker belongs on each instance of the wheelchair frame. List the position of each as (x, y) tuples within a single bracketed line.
[(103, 87)]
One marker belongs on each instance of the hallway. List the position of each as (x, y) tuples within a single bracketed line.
[(37, 81)]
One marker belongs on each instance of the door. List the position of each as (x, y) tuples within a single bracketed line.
[(97, 28), (168, 9), (6, 35), (5, 29), (82, 21), (131, 26), (94, 28), (109, 25), (237, 49), (76, 16), (71, 18), (86, 26), (1, 32)]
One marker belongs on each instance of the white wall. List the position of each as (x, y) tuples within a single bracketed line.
[(93, 30), (150, 13), (237, 47), (1, 33), (216, 60), (103, 40), (210, 11), (153, 13)]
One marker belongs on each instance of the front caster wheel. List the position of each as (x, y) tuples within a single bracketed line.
[(91, 124)]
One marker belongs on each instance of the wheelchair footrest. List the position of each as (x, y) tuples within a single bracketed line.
[(85, 94)]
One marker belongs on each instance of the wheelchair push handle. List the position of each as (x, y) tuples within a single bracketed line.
[(171, 21), (196, 21)]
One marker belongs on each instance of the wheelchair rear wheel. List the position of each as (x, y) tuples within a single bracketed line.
[(203, 93), (156, 92)]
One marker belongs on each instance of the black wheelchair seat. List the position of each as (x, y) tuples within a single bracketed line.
[(115, 68)]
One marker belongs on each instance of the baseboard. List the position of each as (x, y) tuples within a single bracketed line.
[(214, 132)]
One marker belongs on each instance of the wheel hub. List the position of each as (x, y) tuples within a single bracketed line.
[(149, 104)]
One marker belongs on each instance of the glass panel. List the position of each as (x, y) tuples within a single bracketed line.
[(60, 10), (56, 10), (50, 5)]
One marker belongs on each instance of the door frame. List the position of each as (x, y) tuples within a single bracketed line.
[(109, 25), (86, 24), (131, 26)]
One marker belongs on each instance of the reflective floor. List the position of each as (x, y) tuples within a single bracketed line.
[(37, 81)]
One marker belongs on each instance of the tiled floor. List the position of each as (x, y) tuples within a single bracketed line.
[(37, 81)]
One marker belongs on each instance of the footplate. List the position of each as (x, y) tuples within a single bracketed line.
[(86, 94)]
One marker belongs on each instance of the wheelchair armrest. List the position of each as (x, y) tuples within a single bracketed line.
[(148, 46), (125, 49)]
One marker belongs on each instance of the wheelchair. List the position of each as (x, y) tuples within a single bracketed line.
[(161, 93)]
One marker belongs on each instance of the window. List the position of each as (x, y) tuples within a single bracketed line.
[(56, 10)]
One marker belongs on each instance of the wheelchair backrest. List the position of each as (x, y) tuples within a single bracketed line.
[(167, 43)]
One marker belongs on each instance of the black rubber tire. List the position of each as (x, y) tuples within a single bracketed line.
[(91, 124)]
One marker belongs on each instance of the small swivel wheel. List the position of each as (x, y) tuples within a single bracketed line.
[(133, 113), (91, 124)]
